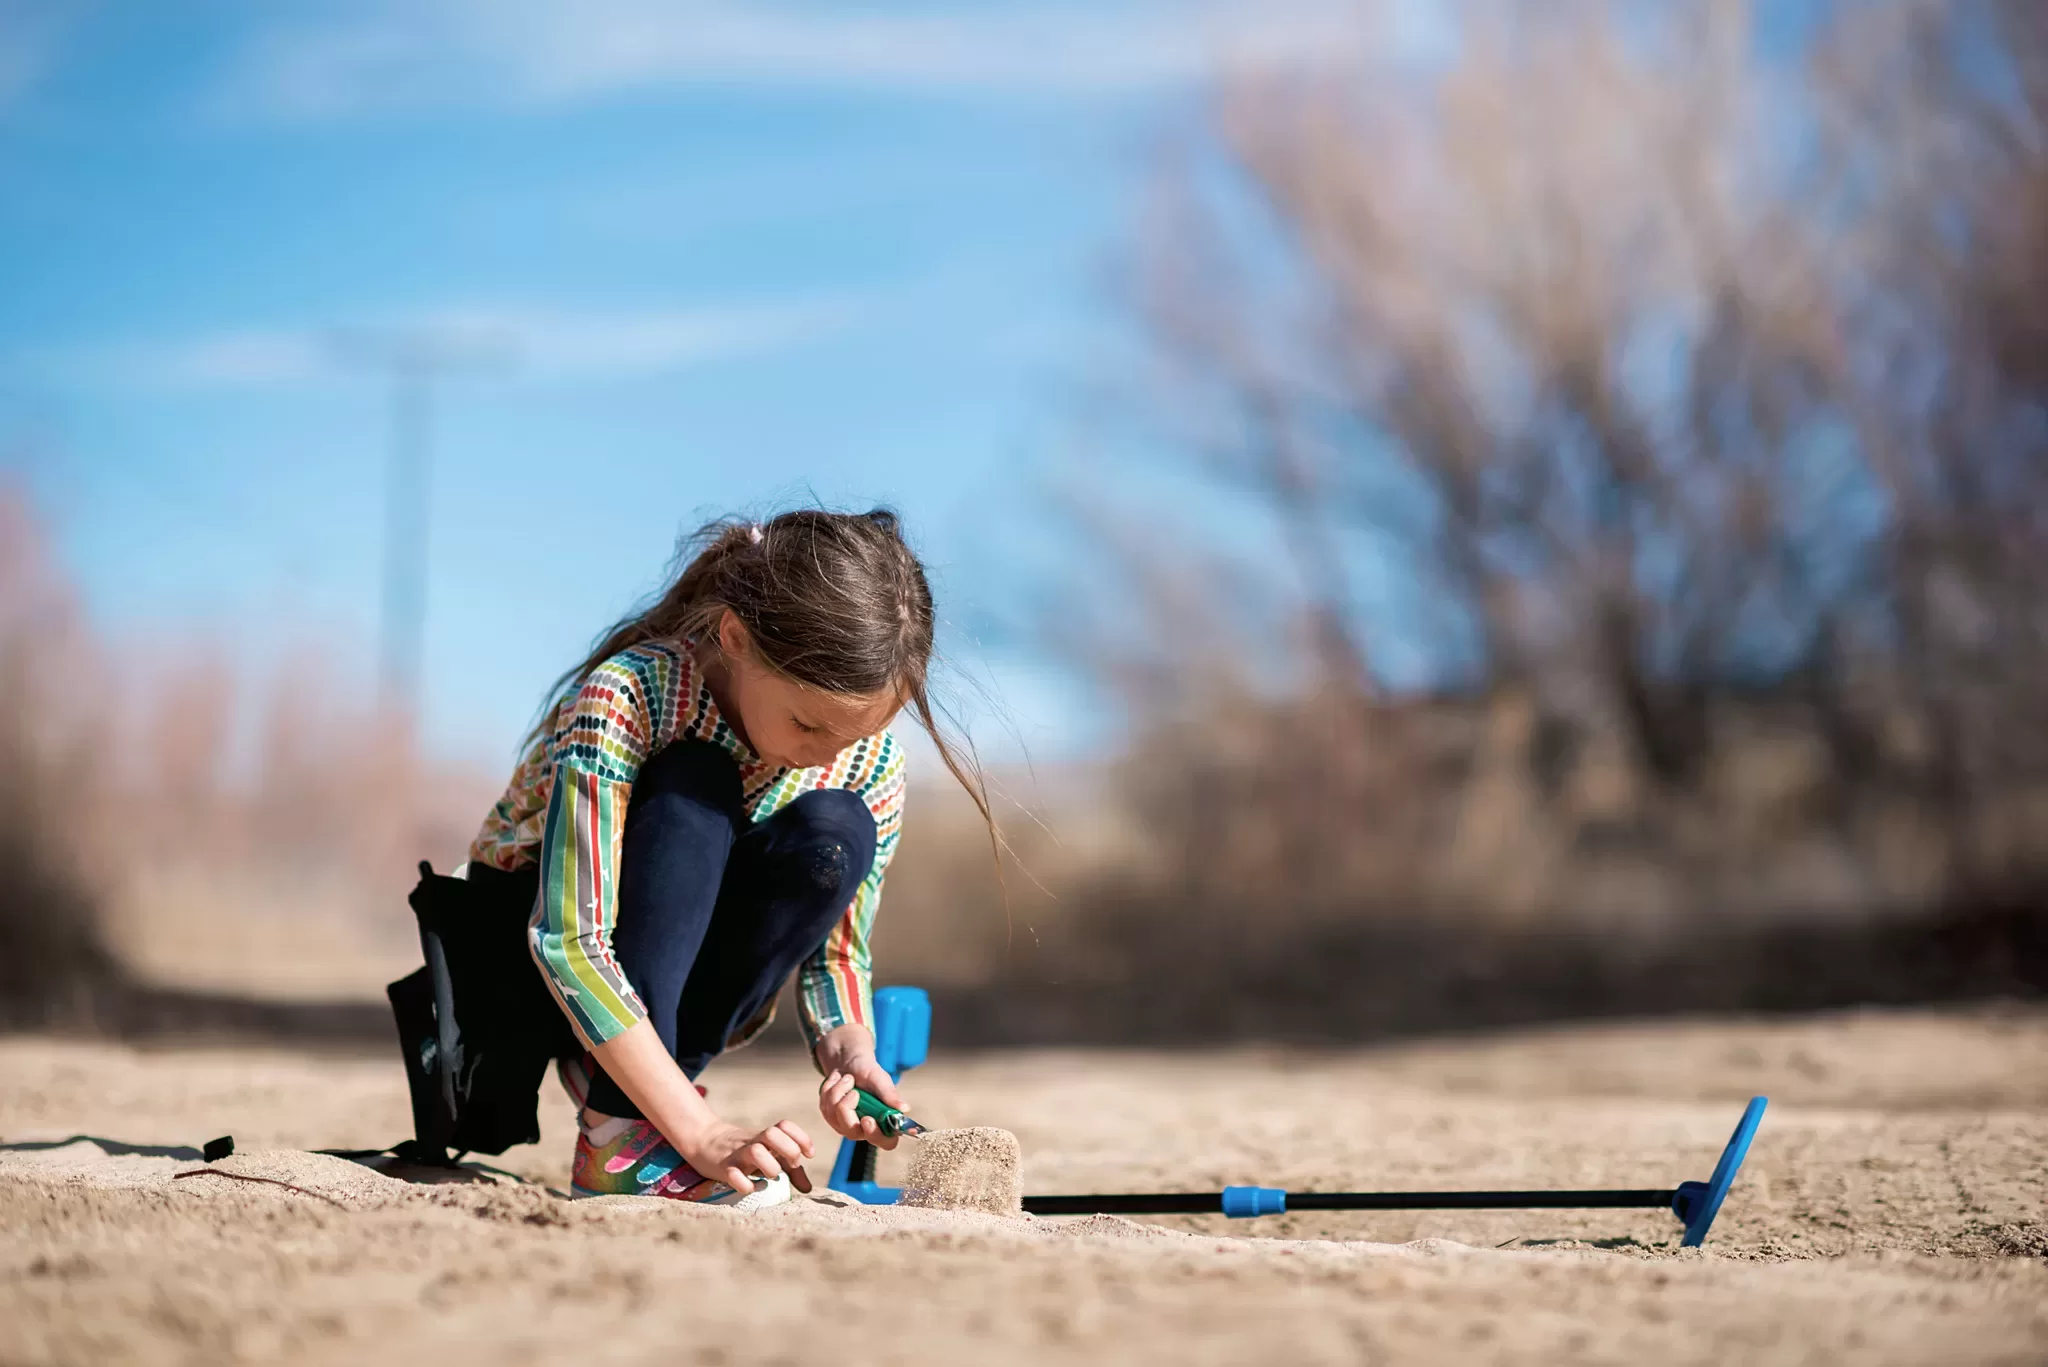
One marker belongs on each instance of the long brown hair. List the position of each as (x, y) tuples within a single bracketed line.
[(837, 601)]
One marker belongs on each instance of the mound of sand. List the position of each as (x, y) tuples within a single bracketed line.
[(972, 1169)]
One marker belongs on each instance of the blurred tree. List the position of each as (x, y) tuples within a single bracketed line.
[(1664, 355), (1940, 114), (56, 962)]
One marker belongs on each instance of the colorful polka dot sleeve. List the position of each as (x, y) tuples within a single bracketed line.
[(565, 808)]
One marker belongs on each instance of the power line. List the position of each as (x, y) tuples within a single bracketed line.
[(413, 362)]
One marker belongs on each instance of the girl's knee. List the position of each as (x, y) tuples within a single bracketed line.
[(836, 817), (825, 841), (826, 864)]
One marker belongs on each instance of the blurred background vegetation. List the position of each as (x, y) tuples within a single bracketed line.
[(1656, 438)]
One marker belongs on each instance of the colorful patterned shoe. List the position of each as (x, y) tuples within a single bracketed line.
[(637, 1161)]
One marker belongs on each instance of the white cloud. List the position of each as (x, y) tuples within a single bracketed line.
[(562, 343), (228, 359), (515, 340), (370, 57)]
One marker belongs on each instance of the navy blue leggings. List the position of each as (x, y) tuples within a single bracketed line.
[(717, 911)]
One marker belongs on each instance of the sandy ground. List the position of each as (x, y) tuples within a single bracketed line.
[(1892, 1211)]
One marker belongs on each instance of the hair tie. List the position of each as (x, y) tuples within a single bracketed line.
[(754, 533)]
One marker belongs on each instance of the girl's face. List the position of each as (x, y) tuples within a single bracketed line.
[(788, 723)]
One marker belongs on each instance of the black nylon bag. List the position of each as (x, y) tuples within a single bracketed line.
[(477, 1025)]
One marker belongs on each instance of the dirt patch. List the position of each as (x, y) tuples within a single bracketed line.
[(2013, 1240), (1108, 1227)]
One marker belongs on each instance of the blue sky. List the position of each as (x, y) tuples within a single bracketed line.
[(727, 255)]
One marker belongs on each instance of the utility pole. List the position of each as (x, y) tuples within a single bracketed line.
[(413, 362)]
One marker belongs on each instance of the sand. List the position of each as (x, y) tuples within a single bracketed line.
[(977, 1168), (1891, 1212)]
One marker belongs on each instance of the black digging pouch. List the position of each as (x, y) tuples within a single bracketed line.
[(477, 1025)]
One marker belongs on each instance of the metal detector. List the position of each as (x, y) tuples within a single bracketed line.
[(903, 1018)]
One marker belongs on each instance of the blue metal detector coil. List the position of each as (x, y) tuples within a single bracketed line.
[(1697, 1203)]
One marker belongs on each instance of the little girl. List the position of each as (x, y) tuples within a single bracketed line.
[(708, 809)]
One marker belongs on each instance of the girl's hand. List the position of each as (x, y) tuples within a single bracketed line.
[(733, 1156), (640, 1063), (836, 1101)]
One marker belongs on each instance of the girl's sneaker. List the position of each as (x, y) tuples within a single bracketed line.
[(629, 1157)]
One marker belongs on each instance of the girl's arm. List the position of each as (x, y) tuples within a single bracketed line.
[(637, 1060)]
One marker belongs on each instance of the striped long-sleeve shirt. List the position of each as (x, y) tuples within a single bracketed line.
[(565, 809)]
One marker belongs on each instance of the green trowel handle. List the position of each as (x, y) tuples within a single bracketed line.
[(887, 1118)]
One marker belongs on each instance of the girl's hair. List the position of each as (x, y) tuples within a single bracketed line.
[(833, 600)]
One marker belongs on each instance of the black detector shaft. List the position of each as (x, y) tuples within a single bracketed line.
[(1223, 1202)]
